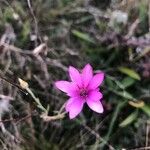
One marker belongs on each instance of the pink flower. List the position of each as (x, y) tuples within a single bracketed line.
[(83, 88)]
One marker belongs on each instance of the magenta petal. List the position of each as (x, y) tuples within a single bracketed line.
[(68, 103), (75, 75), (95, 95), (74, 107), (67, 87), (93, 101), (96, 81), (63, 85), (87, 74), (73, 90), (95, 105)]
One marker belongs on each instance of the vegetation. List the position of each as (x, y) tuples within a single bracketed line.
[(39, 40)]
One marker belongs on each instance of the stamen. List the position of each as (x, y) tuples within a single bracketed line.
[(83, 93)]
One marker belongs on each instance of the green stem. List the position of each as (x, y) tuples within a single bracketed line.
[(36, 100)]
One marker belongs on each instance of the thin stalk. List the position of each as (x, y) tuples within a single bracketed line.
[(36, 100)]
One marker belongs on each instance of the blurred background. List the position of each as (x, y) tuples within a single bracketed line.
[(40, 39)]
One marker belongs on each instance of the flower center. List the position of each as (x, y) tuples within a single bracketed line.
[(83, 93)]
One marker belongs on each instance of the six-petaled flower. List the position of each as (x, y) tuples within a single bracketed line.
[(83, 88)]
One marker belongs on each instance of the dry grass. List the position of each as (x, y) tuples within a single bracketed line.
[(40, 39)]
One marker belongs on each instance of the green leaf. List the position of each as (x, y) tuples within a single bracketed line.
[(109, 82), (146, 109), (127, 82), (83, 36), (129, 72), (113, 80), (119, 106), (125, 94), (129, 119)]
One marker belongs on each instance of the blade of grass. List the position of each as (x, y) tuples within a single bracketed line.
[(83, 36), (129, 119), (129, 72), (123, 93), (127, 82), (112, 122), (146, 109)]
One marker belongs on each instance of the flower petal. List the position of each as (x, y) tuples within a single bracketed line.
[(68, 87), (87, 74), (74, 107), (75, 76), (95, 105), (96, 81), (95, 95), (93, 101)]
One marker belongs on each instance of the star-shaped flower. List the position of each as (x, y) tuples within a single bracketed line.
[(82, 89)]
